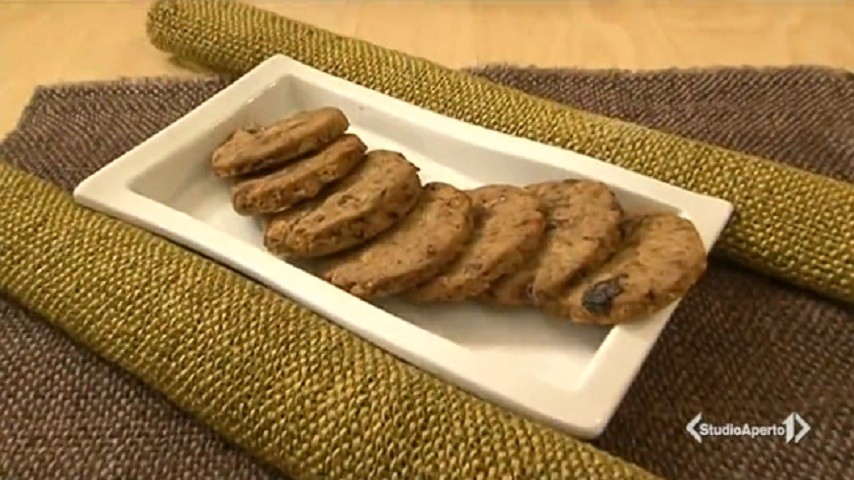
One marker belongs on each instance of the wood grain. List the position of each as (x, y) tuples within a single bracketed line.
[(44, 42)]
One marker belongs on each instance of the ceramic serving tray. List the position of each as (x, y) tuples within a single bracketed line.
[(567, 375)]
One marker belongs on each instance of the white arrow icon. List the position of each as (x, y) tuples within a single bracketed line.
[(802, 428), (692, 427), (805, 428)]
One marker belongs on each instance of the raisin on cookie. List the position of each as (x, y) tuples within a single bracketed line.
[(416, 249), (508, 228), (582, 230), (254, 149), (661, 258), (301, 180), (373, 197)]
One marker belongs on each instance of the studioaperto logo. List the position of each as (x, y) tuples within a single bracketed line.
[(792, 429)]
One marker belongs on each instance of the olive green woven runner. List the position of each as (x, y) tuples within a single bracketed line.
[(297, 390), (805, 239)]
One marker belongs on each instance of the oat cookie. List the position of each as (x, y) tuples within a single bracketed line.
[(661, 258), (254, 149), (582, 230), (432, 236), (301, 180), (369, 200), (509, 225)]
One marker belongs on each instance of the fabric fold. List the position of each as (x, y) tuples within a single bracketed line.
[(798, 240)]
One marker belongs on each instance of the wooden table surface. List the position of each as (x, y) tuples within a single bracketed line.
[(49, 41)]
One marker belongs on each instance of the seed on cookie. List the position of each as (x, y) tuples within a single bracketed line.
[(297, 181), (660, 259), (431, 236), (250, 150), (513, 289), (508, 228), (582, 230), (369, 200)]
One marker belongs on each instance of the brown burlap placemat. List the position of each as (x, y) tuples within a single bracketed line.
[(740, 349)]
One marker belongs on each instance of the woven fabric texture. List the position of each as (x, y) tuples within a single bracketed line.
[(302, 393), (65, 413), (741, 347), (802, 116), (799, 240)]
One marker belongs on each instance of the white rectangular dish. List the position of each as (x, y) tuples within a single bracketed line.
[(569, 376)]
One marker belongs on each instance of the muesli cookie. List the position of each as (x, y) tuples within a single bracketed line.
[(254, 149), (297, 181), (368, 201), (661, 258), (416, 249), (509, 225), (582, 230)]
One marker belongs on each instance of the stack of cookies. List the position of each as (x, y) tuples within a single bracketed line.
[(375, 230)]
